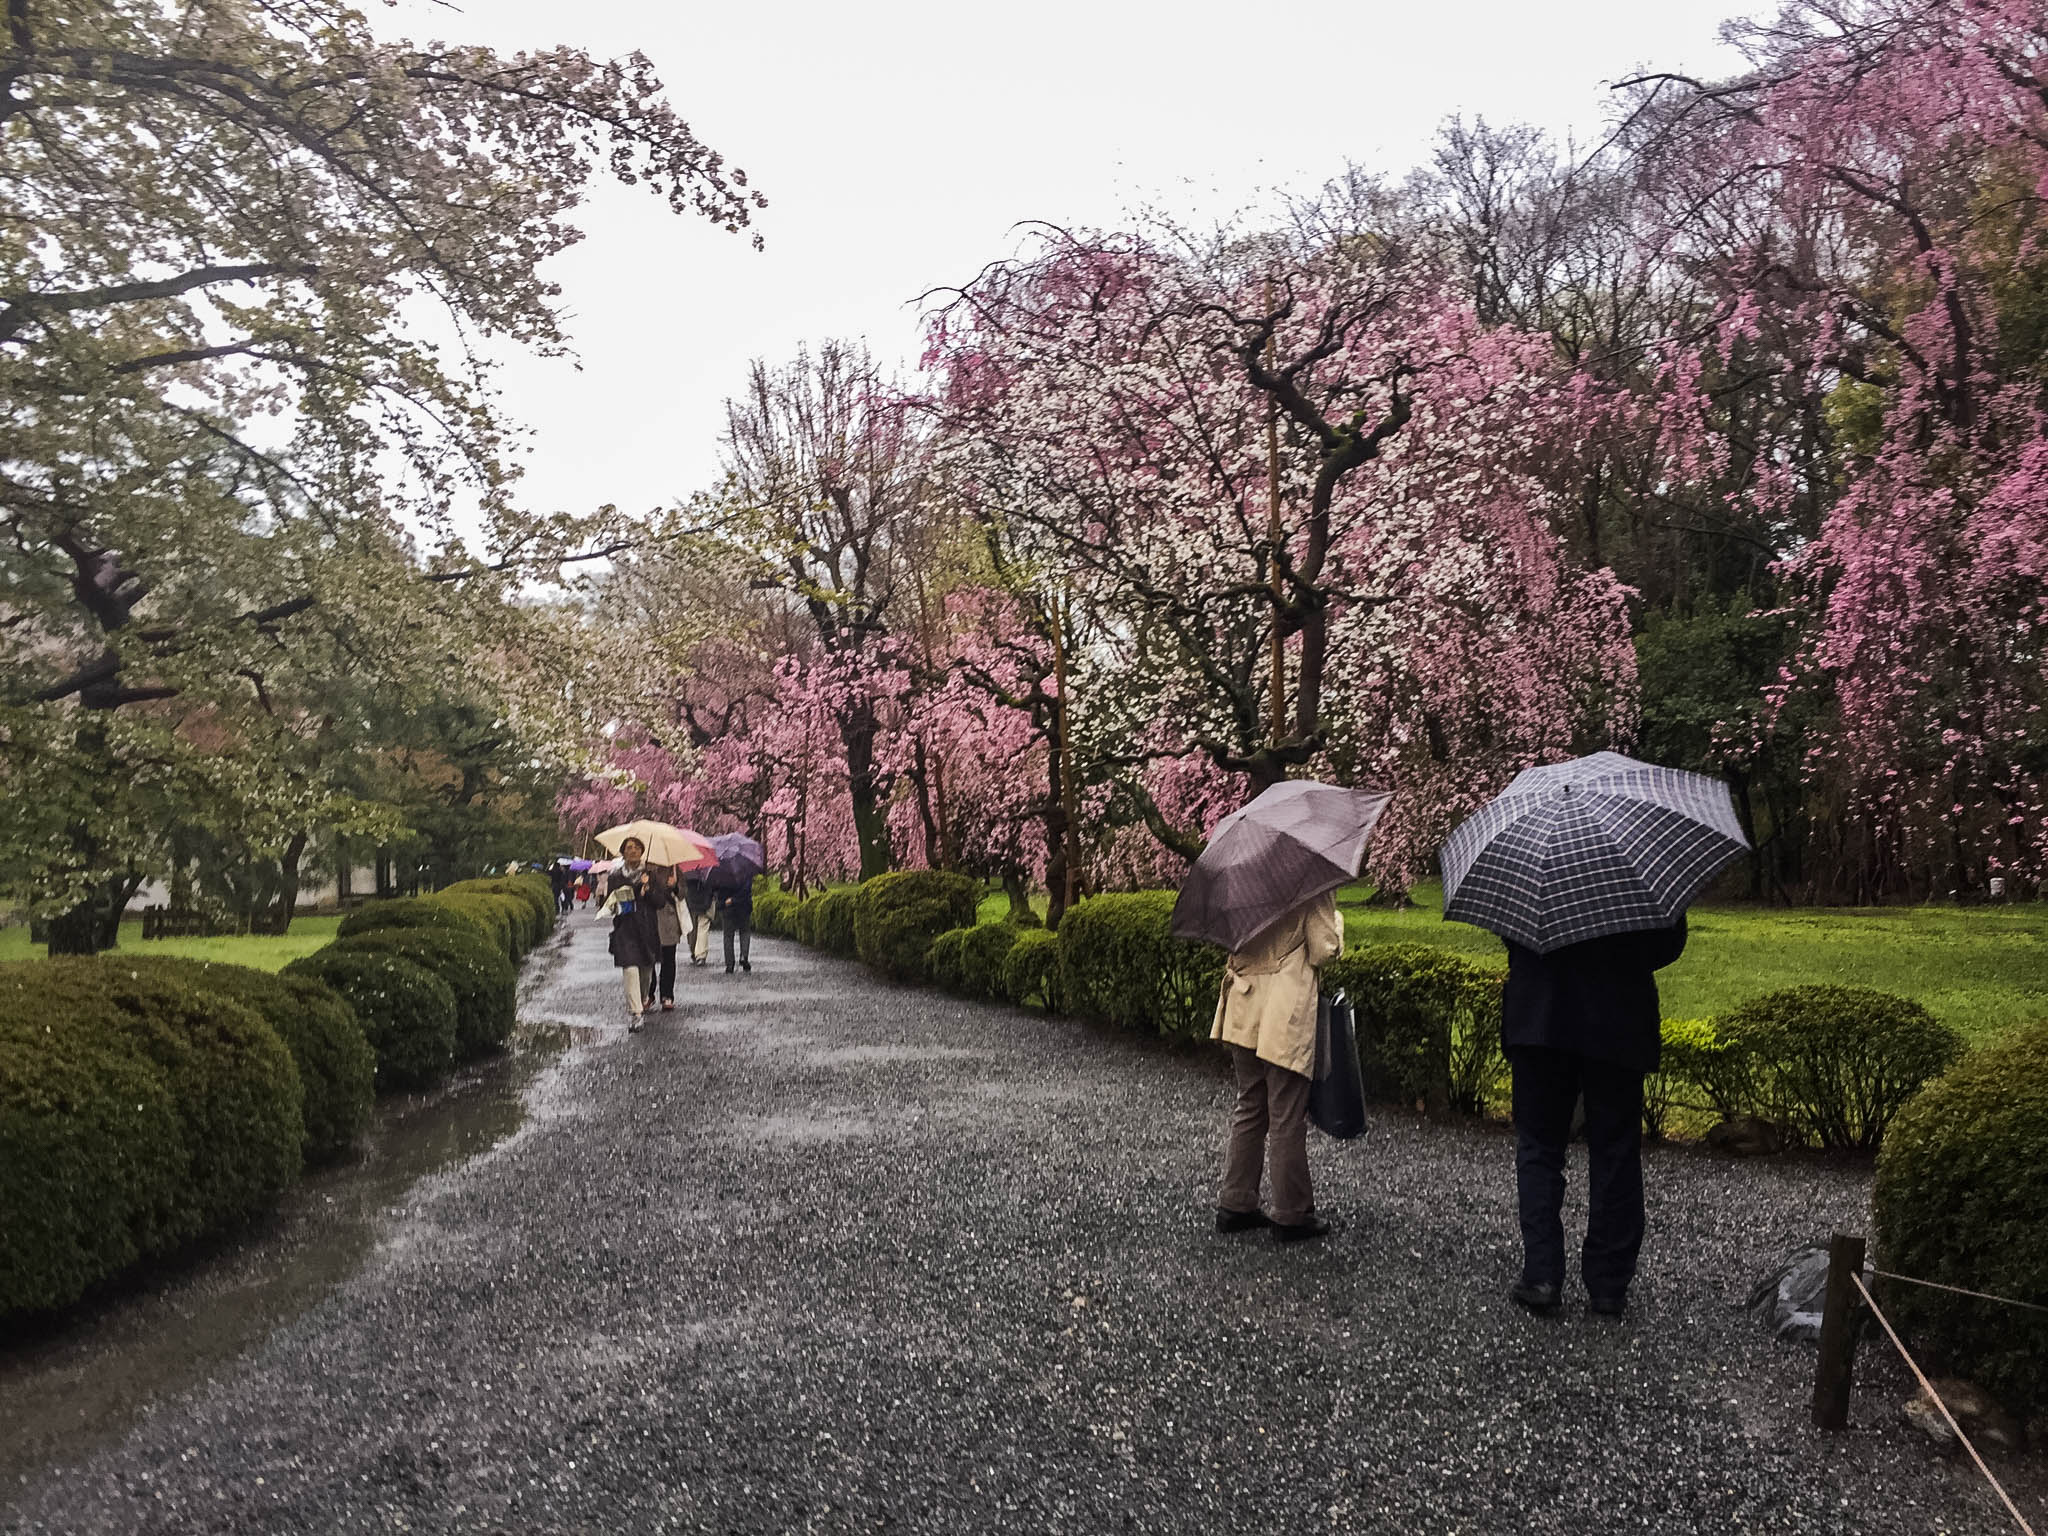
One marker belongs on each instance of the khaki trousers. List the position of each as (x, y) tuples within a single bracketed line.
[(700, 936), (1268, 1126), (639, 983)]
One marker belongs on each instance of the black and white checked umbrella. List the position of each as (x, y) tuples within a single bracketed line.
[(1601, 844), (1297, 840)]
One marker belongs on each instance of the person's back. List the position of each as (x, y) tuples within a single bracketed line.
[(1581, 1024)]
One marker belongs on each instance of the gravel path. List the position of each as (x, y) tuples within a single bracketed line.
[(817, 1254)]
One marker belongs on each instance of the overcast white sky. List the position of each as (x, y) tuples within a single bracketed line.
[(900, 141)]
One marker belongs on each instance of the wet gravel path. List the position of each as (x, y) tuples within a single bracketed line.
[(818, 1254)]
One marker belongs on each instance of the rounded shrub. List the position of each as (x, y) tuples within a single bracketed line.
[(773, 912), (1839, 1062), (237, 1092), (1031, 970), (1120, 964), (896, 917), (832, 927), (803, 921), (1428, 1024), (336, 1067), (528, 923), (982, 954), (407, 1012), (485, 983), (490, 915), (1961, 1199), (92, 1153), (404, 912), (942, 959)]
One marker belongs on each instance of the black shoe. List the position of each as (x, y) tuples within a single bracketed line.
[(1301, 1231), (1537, 1298), (1607, 1306), (728, 970), (747, 966), (1241, 1221), (633, 1025)]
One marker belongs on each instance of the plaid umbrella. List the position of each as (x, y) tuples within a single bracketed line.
[(739, 860), (1294, 842), (1602, 844)]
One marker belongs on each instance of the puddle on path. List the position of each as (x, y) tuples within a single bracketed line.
[(65, 1394)]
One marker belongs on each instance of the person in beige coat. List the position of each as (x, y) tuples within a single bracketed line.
[(1267, 1018)]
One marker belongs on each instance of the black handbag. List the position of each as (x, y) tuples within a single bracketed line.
[(1336, 1094)]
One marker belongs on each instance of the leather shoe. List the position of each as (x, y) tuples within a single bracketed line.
[(1537, 1298), (1241, 1221), (1301, 1231), (1607, 1306)]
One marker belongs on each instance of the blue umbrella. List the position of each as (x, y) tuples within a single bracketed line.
[(739, 859)]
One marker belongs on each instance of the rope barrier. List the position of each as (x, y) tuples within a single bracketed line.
[(1928, 1387), (1936, 1285)]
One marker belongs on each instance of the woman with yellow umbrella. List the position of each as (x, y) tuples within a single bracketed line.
[(652, 854)]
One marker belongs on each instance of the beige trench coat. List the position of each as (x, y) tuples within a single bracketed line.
[(1269, 988)]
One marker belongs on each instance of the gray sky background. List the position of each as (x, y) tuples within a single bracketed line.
[(900, 143)]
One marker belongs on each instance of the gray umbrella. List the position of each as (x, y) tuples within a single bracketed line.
[(1602, 844), (1290, 845)]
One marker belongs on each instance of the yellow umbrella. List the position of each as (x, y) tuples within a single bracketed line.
[(677, 847)]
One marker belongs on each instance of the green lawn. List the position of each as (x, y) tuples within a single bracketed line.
[(263, 954), (1982, 969)]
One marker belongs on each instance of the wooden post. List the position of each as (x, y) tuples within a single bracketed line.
[(1833, 1375)]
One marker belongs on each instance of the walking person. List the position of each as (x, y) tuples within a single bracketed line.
[(669, 919), (697, 898), (736, 917), (1266, 1016), (1579, 1022), (632, 896)]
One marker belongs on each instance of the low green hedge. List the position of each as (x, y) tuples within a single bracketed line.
[(407, 912), (1428, 1024), (1031, 970), (93, 1151), (942, 960), (774, 911), (485, 983), (1120, 964), (499, 917), (803, 922), (336, 1067), (408, 1013), (982, 954), (1961, 1199), (1834, 1063), (832, 921), (897, 916)]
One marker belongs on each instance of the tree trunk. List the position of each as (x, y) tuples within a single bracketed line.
[(288, 885), (1019, 894), (870, 825), (1054, 820)]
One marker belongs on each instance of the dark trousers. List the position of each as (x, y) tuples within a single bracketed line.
[(668, 973), (1269, 1134), (741, 924), (1547, 1085)]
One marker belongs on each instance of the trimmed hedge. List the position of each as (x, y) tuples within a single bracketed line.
[(1837, 1063), (1428, 1024), (1960, 1198), (485, 983), (407, 1012), (406, 912), (337, 1069), (982, 953), (498, 917), (773, 913), (1120, 965), (93, 1152), (1031, 970), (803, 922), (942, 961), (832, 921), (897, 916)]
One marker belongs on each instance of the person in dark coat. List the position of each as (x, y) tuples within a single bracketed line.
[(736, 917), (634, 894), (1583, 1022)]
